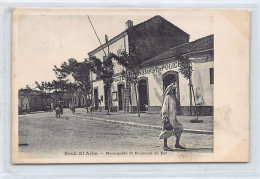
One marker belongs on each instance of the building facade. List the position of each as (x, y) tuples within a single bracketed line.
[(30, 100), (161, 44), (78, 100), (160, 71), (33, 100), (151, 37)]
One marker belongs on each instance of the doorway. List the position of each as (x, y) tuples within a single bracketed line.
[(121, 94), (96, 98), (169, 78), (143, 94)]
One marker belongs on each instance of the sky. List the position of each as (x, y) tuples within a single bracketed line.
[(48, 40)]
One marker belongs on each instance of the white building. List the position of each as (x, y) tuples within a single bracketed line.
[(157, 73), (159, 42)]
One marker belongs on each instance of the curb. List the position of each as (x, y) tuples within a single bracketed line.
[(149, 126), (35, 112)]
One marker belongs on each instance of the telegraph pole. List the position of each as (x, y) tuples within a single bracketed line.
[(97, 36)]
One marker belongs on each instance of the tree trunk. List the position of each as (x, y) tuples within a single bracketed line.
[(190, 97), (137, 101), (109, 100), (195, 104), (87, 101), (190, 83)]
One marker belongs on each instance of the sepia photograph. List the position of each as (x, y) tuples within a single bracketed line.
[(124, 86)]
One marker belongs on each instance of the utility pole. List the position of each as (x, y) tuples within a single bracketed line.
[(97, 36)]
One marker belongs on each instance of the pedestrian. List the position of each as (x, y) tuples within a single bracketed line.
[(169, 111), (51, 107), (60, 106)]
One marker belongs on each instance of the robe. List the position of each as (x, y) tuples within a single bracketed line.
[(169, 108)]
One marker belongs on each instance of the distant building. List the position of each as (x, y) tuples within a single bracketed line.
[(78, 100), (30, 100), (33, 100)]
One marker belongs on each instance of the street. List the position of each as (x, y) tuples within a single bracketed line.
[(43, 133)]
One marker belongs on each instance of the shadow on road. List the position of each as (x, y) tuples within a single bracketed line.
[(194, 150)]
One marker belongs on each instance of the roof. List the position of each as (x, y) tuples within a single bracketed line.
[(28, 92), (122, 34), (199, 45), (114, 39), (160, 19)]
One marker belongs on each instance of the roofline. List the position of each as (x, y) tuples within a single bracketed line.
[(177, 27), (191, 42), (183, 45), (166, 21), (111, 41), (125, 33), (168, 58)]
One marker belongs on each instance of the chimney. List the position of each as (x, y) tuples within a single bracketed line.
[(129, 24)]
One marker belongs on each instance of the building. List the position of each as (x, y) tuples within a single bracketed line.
[(158, 72), (79, 100), (33, 100), (30, 100), (152, 38)]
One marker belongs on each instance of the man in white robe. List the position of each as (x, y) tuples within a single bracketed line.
[(169, 108)]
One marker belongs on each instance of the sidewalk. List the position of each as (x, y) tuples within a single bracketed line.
[(151, 120)]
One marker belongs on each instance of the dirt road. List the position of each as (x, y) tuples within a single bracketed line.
[(44, 133)]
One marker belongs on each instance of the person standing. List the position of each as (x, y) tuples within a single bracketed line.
[(169, 110), (52, 107)]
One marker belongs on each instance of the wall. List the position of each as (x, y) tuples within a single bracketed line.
[(100, 86), (155, 82), (204, 91), (201, 81), (120, 44), (36, 103), (24, 102)]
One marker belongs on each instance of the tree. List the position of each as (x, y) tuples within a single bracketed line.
[(185, 68), (43, 88), (60, 87), (105, 72), (131, 61), (79, 71)]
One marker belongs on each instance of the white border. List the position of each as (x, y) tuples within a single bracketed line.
[(185, 170)]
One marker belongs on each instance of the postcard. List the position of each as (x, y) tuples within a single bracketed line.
[(130, 85)]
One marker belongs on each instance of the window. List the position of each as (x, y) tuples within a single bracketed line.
[(211, 75)]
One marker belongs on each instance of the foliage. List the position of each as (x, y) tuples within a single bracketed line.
[(131, 61), (184, 66), (104, 71), (57, 87), (79, 71), (41, 86)]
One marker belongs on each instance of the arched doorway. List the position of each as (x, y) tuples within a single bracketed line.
[(121, 96), (169, 78), (142, 87)]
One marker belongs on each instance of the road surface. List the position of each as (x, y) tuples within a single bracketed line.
[(43, 133)]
